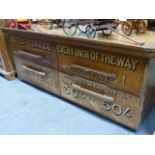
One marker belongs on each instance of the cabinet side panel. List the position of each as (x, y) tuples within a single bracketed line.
[(149, 92), (5, 53)]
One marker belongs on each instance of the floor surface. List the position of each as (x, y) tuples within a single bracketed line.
[(25, 110)]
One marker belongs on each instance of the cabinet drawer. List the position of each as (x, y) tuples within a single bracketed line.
[(35, 50), (116, 105), (38, 75), (43, 58), (123, 72)]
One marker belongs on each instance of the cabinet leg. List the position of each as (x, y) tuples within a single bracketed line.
[(8, 75)]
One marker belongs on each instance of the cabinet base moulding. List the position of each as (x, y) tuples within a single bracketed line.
[(8, 75)]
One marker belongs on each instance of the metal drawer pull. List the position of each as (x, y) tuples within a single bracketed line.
[(105, 97), (92, 71), (33, 71), (30, 55)]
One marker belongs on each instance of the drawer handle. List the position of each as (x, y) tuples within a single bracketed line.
[(92, 71), (105, 97), (33, 71), (30, 55)]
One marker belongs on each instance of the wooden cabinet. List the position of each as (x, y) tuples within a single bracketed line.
[(109, 77)]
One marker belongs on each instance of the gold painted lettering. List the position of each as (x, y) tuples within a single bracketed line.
[(107, 59), (33, 43), (112, 60), (102, 58), (134, 63), (121, 61), (127, 64), (91, 55)]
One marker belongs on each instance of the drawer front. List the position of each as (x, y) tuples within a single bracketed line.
[(40, 52), (122, 72), (116, 105), (38, 75)]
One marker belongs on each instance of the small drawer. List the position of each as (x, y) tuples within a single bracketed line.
[(116, 105), (38, 75), (44, 58), (37, 50)]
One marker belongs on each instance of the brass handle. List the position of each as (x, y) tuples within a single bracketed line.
[(92, 71), (30, 55), (33, 71), (105, 97)]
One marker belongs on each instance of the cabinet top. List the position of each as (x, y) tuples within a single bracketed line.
[(115, 41)]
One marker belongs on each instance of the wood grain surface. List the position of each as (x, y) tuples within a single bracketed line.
[(108, 76)]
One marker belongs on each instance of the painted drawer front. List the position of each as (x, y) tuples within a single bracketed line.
[(40, 76), (38, 51), (116, 105), (122, 72)]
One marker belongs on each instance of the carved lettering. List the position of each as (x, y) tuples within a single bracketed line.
[(90, 55), (121, 61), (116, 109), (134, 64), (108, 105), (94, 101), (112, 61), (45, 79), (91, 73), (68, 80), (127, 64), (33, 43)]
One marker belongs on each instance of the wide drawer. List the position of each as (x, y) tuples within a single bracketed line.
[(116, 105), (38, 75), (38, 51), (120, 71)]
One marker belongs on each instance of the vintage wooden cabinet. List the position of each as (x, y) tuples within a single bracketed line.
[(6, 65), (109, 76)]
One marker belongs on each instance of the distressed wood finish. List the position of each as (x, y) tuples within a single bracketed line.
[(119, 106), (106, 67), (35, 50), (38, 75), (110, 77), (6, 66)]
